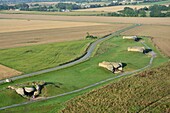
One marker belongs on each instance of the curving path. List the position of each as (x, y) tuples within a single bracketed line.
[(81, 59), (85, 57)]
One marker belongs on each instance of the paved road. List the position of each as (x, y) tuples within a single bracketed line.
[(90, 86), (83, 58)]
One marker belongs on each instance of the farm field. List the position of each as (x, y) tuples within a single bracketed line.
[(131, 20), (41, 36), (145, 92), (12, 25), (6, 72), (31, 42), (34, 58), (165, 2), (72, 13), (113, 8), (87, 73), (160, 35)]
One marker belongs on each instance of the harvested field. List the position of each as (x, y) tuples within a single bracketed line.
[(137, 20), (6, 72), (23, 38), (11, 25), (114, 8), (160, 35)]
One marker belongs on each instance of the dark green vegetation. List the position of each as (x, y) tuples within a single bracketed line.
[(154, 11), (90, 36), (83, 74), (145, 92), (73, 13), (37, 57)]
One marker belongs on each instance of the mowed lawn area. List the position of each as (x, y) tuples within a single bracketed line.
[(37, 57), (87, 73)]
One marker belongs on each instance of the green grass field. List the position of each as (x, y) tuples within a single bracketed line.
[(37, 57), (87, 73)]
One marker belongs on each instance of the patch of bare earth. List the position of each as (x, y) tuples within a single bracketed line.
[(6, 72), (30, 37), (12, 25), (137, 20), (160, 34)]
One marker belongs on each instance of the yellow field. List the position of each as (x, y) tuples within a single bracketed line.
[(17, 32), (114, 8), (160, 35), (11, 25), (137, 20), (6, 72)]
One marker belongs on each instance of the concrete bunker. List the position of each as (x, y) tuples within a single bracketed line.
[(114, 67)]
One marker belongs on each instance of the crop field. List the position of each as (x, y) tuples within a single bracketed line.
[(13, 25), (33, 58), (86, 73), (131, 20), (140, 93), (6, 72), (41, 36), (160, 35), (114, 8), (72, 13), (164, 2)]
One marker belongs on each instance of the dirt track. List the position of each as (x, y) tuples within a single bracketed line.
[(137, 20)]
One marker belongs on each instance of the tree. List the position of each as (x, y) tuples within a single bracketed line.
[(22, 6), (142, 13)]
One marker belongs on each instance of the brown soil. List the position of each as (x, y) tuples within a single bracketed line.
[(23, 38), (11, 25), (137, 20), (6, 72), (160, 35)]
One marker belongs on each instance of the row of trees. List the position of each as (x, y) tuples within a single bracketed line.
[(22, 6), (38, 7), (152, 11)]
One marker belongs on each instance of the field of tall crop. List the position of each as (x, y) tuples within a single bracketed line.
[(145, 92)]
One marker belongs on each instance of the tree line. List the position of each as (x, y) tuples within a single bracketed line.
[(152, 11)]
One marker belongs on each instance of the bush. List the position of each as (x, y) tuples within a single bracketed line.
[(90, 36)]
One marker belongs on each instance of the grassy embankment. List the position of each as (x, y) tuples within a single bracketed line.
[(84, 74), (37, 57)]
